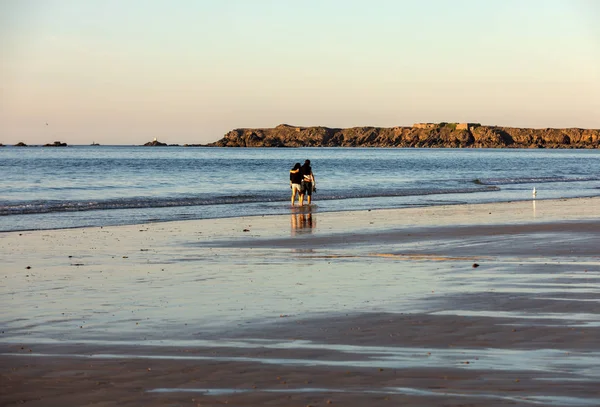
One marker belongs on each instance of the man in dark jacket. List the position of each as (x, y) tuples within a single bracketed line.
[(309, 184)]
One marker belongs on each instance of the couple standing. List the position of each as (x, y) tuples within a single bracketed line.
[(302, 182)]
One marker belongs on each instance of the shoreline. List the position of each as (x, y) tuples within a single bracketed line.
[(489, 304), (212, 145), (313, 209)]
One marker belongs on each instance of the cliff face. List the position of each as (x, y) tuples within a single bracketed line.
[(423, 135)]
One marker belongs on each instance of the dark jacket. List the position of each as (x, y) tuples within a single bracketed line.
[(296, 176)]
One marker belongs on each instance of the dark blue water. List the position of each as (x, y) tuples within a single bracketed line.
[(46, 188)]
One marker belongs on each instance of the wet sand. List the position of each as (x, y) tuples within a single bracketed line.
[(460, 305)]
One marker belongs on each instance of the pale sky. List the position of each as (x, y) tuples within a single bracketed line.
[(188, 71)]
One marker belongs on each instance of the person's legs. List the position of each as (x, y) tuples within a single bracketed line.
[(302, 192), (308, 192), (296, 191)]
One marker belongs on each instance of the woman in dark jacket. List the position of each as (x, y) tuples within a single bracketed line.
[(296, 183)]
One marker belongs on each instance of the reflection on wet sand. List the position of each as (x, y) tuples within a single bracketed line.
[(302, 221), (406, 391)]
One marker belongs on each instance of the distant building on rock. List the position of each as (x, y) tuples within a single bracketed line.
[(466, 126), (425, 125), (454, 126)]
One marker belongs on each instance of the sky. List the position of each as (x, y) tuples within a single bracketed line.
[(189, 71)]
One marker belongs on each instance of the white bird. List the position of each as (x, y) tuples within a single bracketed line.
[(534, 192)]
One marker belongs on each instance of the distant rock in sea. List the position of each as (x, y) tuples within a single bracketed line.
[(94, 144), (56, 144), (455, 135), (21, 144), (155, 143)]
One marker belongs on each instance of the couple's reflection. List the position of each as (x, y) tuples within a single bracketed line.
[(302, 220)]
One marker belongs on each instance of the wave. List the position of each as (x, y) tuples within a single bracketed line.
[(36, 207), (532, 180)]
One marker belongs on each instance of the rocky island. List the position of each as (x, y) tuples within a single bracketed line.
[(156, 143), (455, 135), (56, 144)]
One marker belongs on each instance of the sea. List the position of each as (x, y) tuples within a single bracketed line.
[(79, 186)]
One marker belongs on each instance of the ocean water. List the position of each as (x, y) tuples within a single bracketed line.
[(48, 188)]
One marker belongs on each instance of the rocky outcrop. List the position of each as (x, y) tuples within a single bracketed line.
[(155, 143), (20, 144), (458, 135), (56, 144)]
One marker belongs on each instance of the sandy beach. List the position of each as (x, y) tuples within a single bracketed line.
[(460, 305)]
